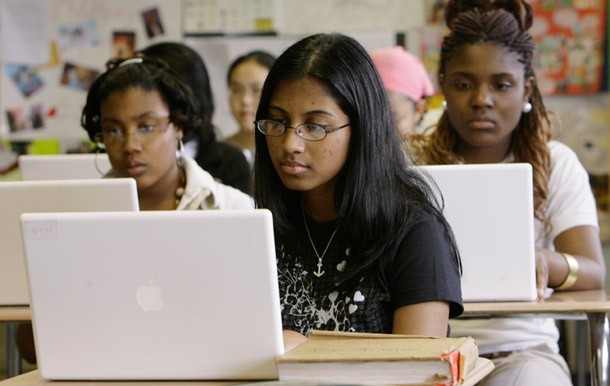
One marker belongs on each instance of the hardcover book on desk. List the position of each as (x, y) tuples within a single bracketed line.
[(383, 359)]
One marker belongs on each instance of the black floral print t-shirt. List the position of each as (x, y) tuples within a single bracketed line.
[(422, 270)]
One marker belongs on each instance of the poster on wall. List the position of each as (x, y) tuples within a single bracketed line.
[(569, 37), (205, 17), (43, 101)]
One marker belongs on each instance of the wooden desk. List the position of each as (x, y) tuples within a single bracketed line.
[(15, 314), (33, 378), (594, 304), (12, 315)]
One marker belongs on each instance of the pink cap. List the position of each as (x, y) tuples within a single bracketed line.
[(402, 72)]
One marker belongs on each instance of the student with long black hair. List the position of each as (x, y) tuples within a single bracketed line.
[(361, 243)]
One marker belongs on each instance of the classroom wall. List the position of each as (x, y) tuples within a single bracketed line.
[(220, 31), (50, 90)]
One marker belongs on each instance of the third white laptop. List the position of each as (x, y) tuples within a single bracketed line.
[(491, 212), (63, 166), (17, 197), (154, 295)]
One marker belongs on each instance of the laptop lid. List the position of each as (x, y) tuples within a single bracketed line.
[(63, 166), (154, 295), (17, 197), (491, 212)]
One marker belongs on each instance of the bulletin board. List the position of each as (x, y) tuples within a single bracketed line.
[(569, 39), (45, 100), (297, 17), (569, 35)]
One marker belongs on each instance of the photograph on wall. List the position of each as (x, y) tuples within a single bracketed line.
[(16, 119), (26, 78), (78, 35), (123, 44), (24, 118), (78, 77), (152, 22), (36, 116)]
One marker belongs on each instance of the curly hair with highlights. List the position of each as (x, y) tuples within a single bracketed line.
[(503, 22)]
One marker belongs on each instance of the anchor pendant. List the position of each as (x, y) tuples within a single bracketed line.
[(319, 272)]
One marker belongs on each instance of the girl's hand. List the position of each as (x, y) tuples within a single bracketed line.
[(542, 271), (292, 339)]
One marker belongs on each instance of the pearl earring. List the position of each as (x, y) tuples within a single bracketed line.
[(444, 105), (527, 107)]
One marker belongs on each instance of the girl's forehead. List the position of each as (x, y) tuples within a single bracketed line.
[(484, 55), (133, 100)]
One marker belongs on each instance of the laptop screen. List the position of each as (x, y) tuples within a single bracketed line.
[(491, 212), (154, 295)]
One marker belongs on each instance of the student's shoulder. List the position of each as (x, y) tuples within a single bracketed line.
[(563, 157), (225, 197), (561, 152), (232, 198), (423, 221), (229, 150)]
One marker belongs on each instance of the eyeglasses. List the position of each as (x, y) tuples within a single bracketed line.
[(146, 132), (307, 131)]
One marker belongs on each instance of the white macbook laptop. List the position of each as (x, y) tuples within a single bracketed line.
[(490, 209), (154, 295), (63, 166), (17, 197)]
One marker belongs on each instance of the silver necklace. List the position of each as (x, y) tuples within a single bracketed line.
[(319, 272)]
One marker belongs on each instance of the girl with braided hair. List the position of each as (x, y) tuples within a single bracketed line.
[(495, 113)]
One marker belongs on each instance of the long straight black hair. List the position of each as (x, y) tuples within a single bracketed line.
[(377, 192)]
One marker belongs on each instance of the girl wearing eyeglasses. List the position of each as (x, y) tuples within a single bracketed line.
[(139, 111), (361, 243)]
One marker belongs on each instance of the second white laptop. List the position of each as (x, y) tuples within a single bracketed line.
[(491, 212), (154, 295), (63, 166), (17, 197)]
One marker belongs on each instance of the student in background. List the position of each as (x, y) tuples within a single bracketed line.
[(140, 110), (361, 243), (407, 83), (245, 78), (495, 113), (222, 160)]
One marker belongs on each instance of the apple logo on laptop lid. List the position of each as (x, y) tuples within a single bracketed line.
[(149, 296)]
